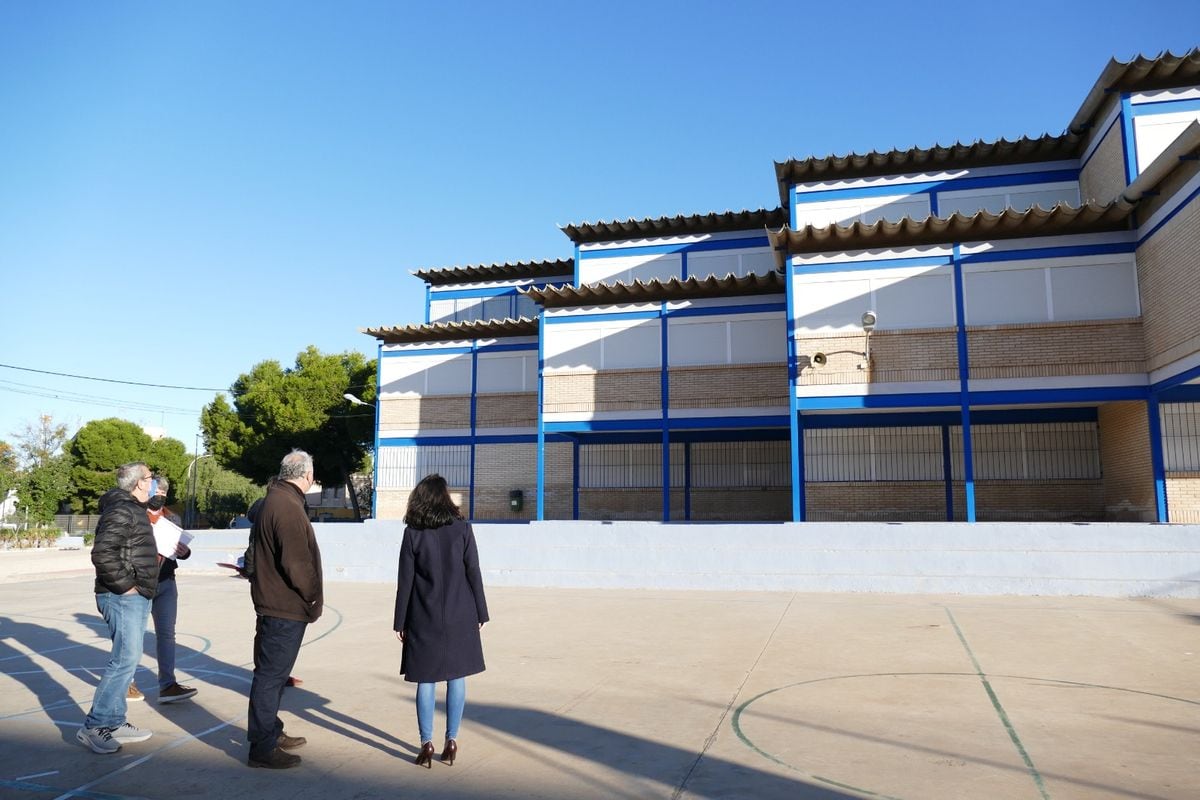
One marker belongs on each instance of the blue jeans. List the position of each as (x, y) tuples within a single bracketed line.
[(456, 699), (164, 610), (126, 616), (276, 645)]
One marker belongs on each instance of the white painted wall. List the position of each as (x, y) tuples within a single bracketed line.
[(1099, 559)]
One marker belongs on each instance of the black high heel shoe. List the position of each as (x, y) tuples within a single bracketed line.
[(425, 756), (450, 751)]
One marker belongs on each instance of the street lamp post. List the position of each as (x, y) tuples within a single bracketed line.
[(189, 512)]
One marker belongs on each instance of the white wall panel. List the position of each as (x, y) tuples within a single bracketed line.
[(441, 310), (1154, 133), (627, 269), (918, 301), (1100, 291), (825, 305), (571, 346), (506, 372), (720, 264), (698, 341), (632, 346), (757, 341), (1005, 295), (968, 202), (866, 209), (426, 375)]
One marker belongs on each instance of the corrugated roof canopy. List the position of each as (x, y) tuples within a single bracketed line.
[(932, 159), (496, 272), (1164, 71), (983, 226), (454, 331), (592, 232), (657, 290)]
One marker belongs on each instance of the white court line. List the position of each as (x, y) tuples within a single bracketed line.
[(36, 775), (147, 757)]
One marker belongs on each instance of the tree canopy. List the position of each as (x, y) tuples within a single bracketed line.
[(103, 445), (276, 410)]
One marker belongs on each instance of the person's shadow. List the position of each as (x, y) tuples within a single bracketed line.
[(197, 720)]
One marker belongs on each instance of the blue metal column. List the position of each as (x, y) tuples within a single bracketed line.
[(964, 371), (1128, 139), (541, 428), (1157, 463), (665, 401), (948, 473), (378, 412), (574, 478), (474, 396), (687, 481)]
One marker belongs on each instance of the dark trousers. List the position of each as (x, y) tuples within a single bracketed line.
[(276, 645)]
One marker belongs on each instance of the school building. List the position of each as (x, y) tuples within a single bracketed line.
[(1003, 330)]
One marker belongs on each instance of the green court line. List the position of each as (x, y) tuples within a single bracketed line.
[(1008, 726)]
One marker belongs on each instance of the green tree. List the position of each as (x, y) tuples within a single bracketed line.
[(222, 494), (169, 457), (275, 410), (44, 487), (9, 468), (41, 441), (97, 450)]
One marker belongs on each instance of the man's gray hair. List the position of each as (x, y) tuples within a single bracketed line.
[(295, 464), (164, 485), (128, 475)]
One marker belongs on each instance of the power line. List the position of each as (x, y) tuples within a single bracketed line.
[(112, 380), (102, 402)]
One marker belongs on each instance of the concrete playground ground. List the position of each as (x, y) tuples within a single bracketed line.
[(630, 694)]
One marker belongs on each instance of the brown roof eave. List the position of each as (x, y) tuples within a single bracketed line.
[(454, 331), (1164, 71), (658, 291), (715, 222), (484, 272)]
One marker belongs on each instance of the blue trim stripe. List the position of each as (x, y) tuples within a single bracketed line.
[(779, 434), (1187, 393), (498, 291), (426, 351), (427, 304), (1049, 252), (1128, 139), (1014, 180), (679, 247), (883, 263), (1164, 107), (501, 348), (1180, 207), (575, 280), (928, 419), (1098, 394), (706, 311), (687, 423), (616, 316), (907, 400), (1098, 141), (439, 441)]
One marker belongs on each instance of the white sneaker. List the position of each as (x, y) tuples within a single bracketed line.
[(128, 734), (100, 740)]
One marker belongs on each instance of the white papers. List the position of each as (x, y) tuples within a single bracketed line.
[(167, 535)]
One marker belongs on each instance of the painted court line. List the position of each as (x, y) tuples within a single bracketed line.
[(1008, 726), (36, 775)]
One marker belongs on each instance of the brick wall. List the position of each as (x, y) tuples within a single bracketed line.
[(1028, 500), (500, 468), (411, 413), (1125, 460), (1103, 177), (1048, 349), (927, 354), (1169, 282), (611, 390), (1183, 497), (631, 504), (729, 385), (392, 503), (559, 469), (741, 505), (515, 410), (890, 501)]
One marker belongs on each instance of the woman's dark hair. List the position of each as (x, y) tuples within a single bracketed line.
[(430, 506)]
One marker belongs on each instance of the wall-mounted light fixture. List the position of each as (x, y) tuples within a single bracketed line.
[(868, 324)]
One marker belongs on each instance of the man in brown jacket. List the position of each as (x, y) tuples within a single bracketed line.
[(287, 593)]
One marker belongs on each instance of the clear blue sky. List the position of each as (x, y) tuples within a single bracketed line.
[(190, 188)]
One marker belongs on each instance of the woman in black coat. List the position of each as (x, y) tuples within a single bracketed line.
[(440, 608)]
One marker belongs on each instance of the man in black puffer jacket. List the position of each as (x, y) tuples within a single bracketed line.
[(127, 562)]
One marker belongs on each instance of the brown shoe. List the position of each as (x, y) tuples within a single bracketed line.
[(276, 759), (290, 742), (133, 694), (176, 692)]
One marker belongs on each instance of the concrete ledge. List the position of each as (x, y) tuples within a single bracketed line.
[(987, 558)]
